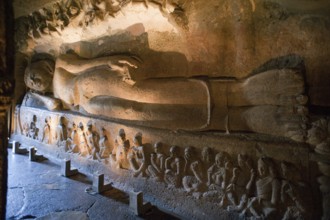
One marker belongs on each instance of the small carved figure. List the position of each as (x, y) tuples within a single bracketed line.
[(242, 183), (207, 158), (137, 158), (174, 165), (46, 135), (25, 129), (121, 150), (73, 8), (83, 147), (74, 139), (60, 19), (33, 130), (291, 192), (61, 132), (219, 174), (265, 204), (92, 142), (104, 145), (157, 167), (193, 180), (319, 136), (38, 24)]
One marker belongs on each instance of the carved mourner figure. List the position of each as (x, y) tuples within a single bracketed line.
[(193, 180), (265, 204), (207, 158), (61, 132), (137, 157), (103, 86), (104, 144), (293, 191), (83, 147), (46, 135), (219, 174), (319, 137), (242, 185), (73, 139), (121, 150), (174, 166), (92, 142), (32, 129), (157, 168)]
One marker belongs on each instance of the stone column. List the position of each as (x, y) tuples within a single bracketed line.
[(319, 136), (6, 91), (322, 156)]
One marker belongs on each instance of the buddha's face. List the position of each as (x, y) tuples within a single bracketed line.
[(34, 83), (38, 76)]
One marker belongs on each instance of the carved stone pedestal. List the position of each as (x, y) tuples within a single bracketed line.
[(136, 203), (66, 169), (193, 169), (98, 183)]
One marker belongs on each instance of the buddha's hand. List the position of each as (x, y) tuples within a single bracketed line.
[(123, 63)]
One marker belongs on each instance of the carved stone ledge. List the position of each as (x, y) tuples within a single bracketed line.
[(182, 163)]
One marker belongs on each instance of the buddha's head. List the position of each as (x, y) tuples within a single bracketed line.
[(39, 76)]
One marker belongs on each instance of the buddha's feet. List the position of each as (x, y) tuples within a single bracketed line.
[(272, 102)]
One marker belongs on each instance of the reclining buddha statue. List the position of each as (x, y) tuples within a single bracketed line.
[(271, 101)]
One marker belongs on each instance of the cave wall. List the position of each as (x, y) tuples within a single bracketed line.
[(6, 92), (221, 40), (217, 38)]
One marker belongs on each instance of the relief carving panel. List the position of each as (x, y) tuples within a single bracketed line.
[(241, 181)]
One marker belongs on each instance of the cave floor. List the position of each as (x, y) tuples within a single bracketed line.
[(36, 190)]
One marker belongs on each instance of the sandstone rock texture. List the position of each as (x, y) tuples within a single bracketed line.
[(218, 38), (252, 73)]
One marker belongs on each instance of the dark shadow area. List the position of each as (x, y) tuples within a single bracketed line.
[(155, 213), (117, 194), (80, 177)]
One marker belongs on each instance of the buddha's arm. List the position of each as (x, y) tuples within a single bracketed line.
[(77, 65)]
